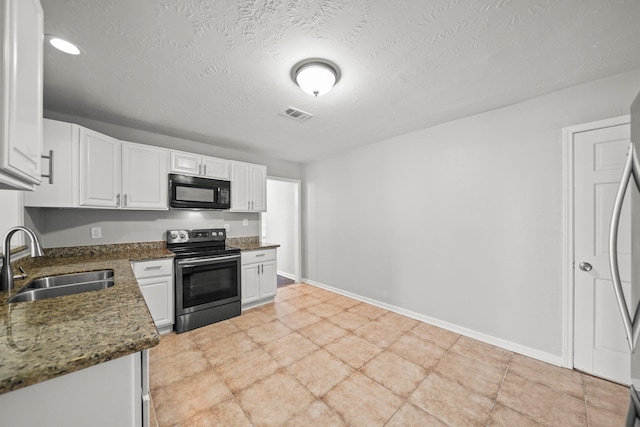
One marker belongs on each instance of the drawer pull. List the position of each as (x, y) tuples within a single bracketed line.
[(155, 267), (260, 255)]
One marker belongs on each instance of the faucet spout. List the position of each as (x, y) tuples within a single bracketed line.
[(6, 275)]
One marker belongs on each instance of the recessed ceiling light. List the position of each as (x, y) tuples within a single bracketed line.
[(315, 76), (63, 45)]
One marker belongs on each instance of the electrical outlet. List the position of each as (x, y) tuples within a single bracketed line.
[(96, 233), (227, 227), (245, 222)]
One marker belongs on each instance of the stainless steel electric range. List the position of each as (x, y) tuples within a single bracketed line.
[(207, 277)]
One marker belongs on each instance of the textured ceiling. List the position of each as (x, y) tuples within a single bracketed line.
[(219, 71)]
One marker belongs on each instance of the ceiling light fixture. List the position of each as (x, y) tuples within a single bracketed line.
[(315, 76), (63, 45)]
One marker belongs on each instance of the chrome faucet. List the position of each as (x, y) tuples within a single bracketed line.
[(6, 275)]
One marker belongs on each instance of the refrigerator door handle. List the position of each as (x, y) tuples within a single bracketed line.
[(631, 168)]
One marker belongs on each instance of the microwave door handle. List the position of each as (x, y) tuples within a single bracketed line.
[(186, 263), (630, 325)]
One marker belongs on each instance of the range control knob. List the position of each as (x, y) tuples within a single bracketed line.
[(183, 235), (173, 235)]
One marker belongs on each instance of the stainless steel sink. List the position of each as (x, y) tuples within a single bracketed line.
[(67, 284)]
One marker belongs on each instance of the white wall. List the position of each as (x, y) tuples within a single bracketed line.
[(461, 222), (11, 215), (282, 203), (72, 227)]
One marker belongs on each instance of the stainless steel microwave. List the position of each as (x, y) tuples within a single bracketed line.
[(192, 192)]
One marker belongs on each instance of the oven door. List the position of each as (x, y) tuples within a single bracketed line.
[(206, 282)]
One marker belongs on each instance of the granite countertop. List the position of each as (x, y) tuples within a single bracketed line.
[(48, 338), (253, 243)]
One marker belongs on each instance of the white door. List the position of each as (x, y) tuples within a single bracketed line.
[(268, 279), (250, 288), (99, 169), (240, 184), (600, 347), (258, 188)]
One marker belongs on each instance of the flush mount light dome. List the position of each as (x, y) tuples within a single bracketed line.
[(63, 45), (315, 76)]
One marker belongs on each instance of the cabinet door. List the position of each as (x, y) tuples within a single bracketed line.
[(268, 279), (215, 168), (158, 294), (144, 177), (258, 188), (21, 97), (99, 170), (240, 186), (250, 283), (182, 162)]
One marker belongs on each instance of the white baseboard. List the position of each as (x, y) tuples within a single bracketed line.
[(498, 342), (287, 275)]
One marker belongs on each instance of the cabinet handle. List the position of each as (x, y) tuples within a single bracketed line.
[(205, 169), (155, 267), (262, 269), (200, 169), (50, 158), (125, 201), (118, 200), (260, 255)]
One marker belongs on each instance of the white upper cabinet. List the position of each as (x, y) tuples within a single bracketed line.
[(248, 187), (195, 164), (21, 97), (99, 170), (90, 169), (144, 176)]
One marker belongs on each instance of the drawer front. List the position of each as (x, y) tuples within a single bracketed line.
[(154, 268), (250, 257)]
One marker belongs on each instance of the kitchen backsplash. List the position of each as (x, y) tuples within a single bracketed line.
[(72, 227)]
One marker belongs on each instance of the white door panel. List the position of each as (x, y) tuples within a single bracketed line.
[(600, 346)]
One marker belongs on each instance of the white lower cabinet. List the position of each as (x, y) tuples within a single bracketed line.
[(113, 393), (259, 277), (155, 279)]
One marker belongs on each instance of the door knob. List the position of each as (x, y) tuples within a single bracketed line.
[(585, 266)]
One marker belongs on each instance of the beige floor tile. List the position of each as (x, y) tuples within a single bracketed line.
[(242, 372), (342, 301), (395, 373), (317, 414), (563, 380), (362, 402), (268, 332), (476, 375), (250, 318), (174, 368), (320, 371), (397, 321), (325, 309), (181, 400), (507, 417), (153, 419), (353, 350), (290, 348), (299, 319), (227, 414), (171, 344), (228, 348), (599, 417), (275, 400), (440, 337), (348, 321), (287, 292), (205, 335), (304, 301), (605, 394), (423, 353), (451, 403), (488, 353), (323, 294), (377, 333), (322, 332), (541, 403), (277, 310), (368, 310), (408, 415)]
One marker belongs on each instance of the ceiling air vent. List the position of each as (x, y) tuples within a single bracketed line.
[(296, 114)]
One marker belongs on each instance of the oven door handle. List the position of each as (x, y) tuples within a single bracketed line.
[(192, 262)]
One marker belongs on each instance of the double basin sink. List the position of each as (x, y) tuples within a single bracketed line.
[(62, 285)]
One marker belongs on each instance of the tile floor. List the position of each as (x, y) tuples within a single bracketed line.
[(315, 358)]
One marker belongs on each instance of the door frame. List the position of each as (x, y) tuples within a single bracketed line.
[(297, 238), (568, 264)]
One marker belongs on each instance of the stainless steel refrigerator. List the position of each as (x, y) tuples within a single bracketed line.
[(630, 182)]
